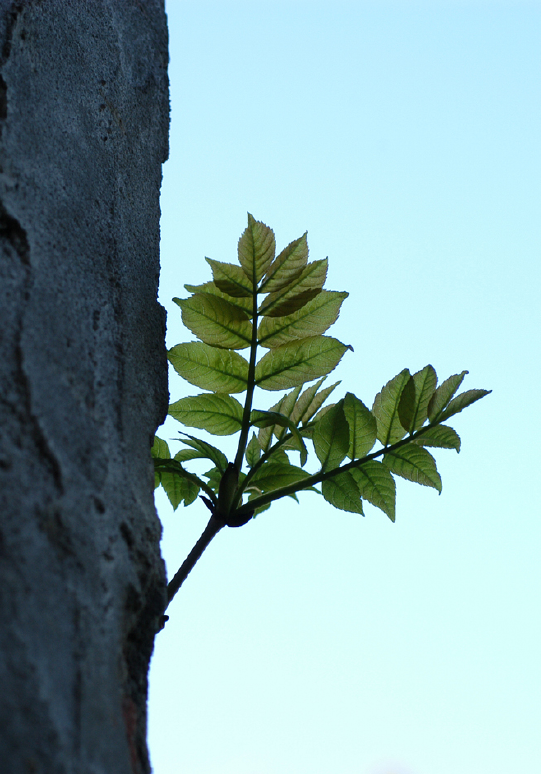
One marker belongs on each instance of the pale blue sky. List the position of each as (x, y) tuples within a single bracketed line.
[(405, 138)]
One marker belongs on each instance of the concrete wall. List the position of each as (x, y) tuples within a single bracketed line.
[(83, 379)]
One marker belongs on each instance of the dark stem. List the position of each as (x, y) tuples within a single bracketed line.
[(317, 478), (210, 531), (249, 387)]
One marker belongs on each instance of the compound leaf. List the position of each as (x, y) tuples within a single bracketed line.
[(362, 426), (218, 370), (217, 413), (216, 321), (301, 361), (342, 492), (385, 409), (377, 486), (414, 464)]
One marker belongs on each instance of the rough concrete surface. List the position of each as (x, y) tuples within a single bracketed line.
[(83, 122)]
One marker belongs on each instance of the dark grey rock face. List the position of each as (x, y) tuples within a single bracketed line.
[(83, 379)]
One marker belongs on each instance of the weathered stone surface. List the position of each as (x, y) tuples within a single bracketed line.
[(83, 121)]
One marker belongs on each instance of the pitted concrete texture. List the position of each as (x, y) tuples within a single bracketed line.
[(83, 379)]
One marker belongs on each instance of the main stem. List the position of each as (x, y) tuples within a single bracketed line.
[(250, 386), (210, 531)]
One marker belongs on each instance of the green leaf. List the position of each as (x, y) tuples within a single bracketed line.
[(216, 321), (343, 492), (216, 413), (415, 464), (256, 249), (253, 451), (185, 455), (298, 362), (288, 265), (362, 426), (385, 409), (275, 475), (178, 489), (212, 369), (274, 418), (299, 291), (377, 486), (178, 483), (230, 279), (406, 404), (461, 401), (425, 384), (160, 449), (311, 401), (331, 437), (244, 303), (443, 395), (439, 436), (313, 319), (207, 451)]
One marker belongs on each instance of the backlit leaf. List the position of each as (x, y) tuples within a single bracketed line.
[(298, 362), (443, 395), (461, 401), (331, 437), (287, 265), (415, 464), (385, 409), (413, 406), (253, 451), (342, 492), (219, 414), (298, 292), (312, 319), (311, 401), (274, 475), (274, 419), (209, 368), (362, 426), (439, 436), (230, 279), (178, 489), (256, 249), (160, 449), (216, 321), (245, 303), (376, 485), (207, 450)]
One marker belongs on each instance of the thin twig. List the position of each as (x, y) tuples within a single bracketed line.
[(210, 531)]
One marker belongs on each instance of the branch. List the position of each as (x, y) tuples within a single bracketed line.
[(210, 531), (317, 478)]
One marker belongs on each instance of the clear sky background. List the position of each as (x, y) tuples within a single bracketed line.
[(405, 137)]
